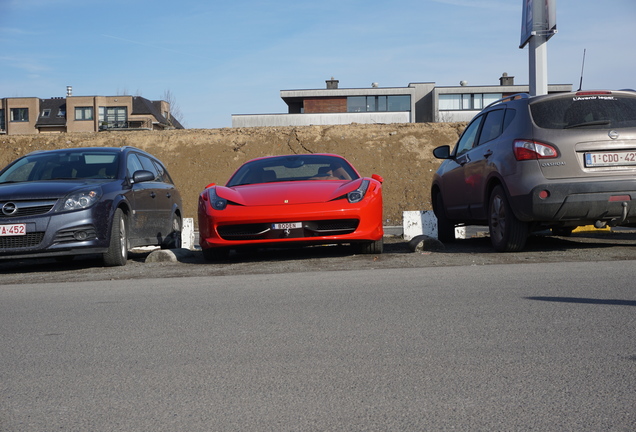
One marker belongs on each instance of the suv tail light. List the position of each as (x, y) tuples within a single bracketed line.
[(531, 150)]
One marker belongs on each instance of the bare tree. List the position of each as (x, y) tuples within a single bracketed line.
[(175, 109)]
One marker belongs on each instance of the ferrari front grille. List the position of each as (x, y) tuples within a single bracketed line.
[(309, 229), (336, 226), (244, 231)]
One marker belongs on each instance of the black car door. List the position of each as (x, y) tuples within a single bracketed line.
[(142, 199)]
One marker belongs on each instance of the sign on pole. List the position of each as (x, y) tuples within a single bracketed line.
[(538, 19)]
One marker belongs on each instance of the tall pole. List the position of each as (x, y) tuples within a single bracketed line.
[(538, 63)]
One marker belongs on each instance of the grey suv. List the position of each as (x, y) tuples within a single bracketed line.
[(531, 163)]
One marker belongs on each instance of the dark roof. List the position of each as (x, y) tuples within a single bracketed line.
[(142, 105), (53, 107)]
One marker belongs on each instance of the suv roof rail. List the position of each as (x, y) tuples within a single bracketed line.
[(509, 98)]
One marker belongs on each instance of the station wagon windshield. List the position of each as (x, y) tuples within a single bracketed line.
[(62, 166)]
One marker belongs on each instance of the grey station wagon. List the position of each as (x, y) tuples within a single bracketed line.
[(531, 163), (100, 200)]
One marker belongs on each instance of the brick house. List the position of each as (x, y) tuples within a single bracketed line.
[(30, 115)]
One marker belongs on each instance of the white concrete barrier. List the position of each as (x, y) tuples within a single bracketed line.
[(417, 223), (187, 233)]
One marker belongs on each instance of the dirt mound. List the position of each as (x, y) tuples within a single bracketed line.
[(401, 153)]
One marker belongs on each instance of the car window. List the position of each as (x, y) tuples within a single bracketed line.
[(509, 117), (133, 164), (293, 168), (492, 126), (467, 141), (595, 111), (149, 166), (71, 164), (163, 174)]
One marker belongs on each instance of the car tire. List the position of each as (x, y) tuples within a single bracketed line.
[(173, 240), (445, 227), (216, 254), (370, 247), (507, 233), (117, 253)]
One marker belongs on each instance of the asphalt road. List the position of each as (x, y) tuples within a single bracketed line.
[(546, 346)]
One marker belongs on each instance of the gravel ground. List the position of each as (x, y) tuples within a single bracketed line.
[(584, 246)]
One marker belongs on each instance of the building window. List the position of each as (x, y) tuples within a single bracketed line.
[(83, 113), (357, 104), (113, 117), (19, 114), (2, 124), (46, 113), (398, 103), (61, 112), (466, 101), (378, 103)]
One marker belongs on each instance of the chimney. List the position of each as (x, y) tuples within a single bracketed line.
[(69, 91), (332, 83), (506, 80)]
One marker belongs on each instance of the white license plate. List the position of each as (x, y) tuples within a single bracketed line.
[(601, 159), (13, 230), (287, 225)]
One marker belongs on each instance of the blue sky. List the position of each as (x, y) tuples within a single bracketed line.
[(234, 57)]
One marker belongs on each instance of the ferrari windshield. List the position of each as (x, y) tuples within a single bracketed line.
[(293, 168), (72, 164)]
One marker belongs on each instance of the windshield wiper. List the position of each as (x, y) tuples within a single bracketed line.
[(590, 123)]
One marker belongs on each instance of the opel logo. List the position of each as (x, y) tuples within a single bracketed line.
[(613, 134), (9, 209)]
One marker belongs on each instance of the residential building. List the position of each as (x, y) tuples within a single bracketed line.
[(30, 115), (417, 103)]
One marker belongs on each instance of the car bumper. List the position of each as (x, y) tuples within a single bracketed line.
[(72, 233), (584, 202), (325, 223)]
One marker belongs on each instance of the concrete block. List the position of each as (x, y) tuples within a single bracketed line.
[(187, 234), (418, 223)]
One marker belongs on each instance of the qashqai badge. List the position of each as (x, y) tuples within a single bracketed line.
[(9, 209)]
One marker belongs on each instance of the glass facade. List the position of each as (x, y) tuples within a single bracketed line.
[(467, 101), (378, 103)]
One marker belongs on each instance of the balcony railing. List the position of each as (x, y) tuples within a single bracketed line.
[(125, 125)]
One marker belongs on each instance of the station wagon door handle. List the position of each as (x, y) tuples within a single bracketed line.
[(488, 153), (168, 194), (153, 194)]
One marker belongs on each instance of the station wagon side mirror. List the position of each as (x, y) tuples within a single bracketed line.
[(142, 176), (442, 152)]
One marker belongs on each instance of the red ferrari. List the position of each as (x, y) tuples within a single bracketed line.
[(293, 200)]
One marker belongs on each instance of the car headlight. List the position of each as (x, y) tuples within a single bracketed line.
[(358, 194), (82, 199), (216, 202)]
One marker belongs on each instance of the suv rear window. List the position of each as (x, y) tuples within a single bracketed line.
[(593, 111)]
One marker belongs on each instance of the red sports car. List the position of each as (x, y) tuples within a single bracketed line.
[(292, 201)]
